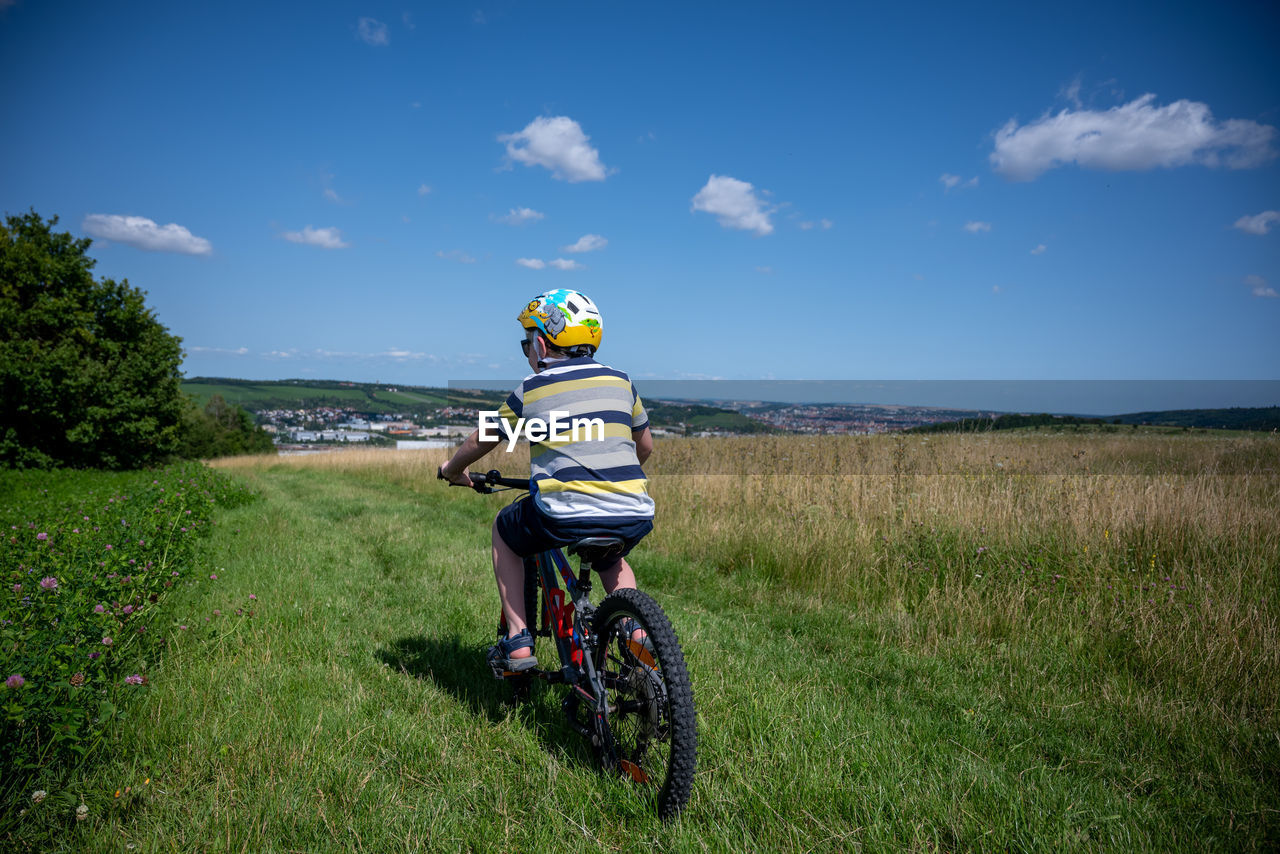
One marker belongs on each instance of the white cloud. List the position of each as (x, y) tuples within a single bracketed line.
[(373, 32), (1259, 224), (423, 190), (325, 238), (220, 351), (975, 227), (1260, 288), (397, 353), (456, 255), (531, 263), (520, 216), (765, 270), (734, 203), (332, 195), (950, 182), (142, 233), (1072, 92), (566, 264), (558, 144), (995, 289), (1039, 250), (588, 243), (1135, 136), (826, 224)]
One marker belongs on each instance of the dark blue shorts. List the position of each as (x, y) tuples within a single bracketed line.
[(528, 531)]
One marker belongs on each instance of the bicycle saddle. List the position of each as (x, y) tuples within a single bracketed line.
[(596, 549)]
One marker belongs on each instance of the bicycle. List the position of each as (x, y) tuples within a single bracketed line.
[(629, 690)]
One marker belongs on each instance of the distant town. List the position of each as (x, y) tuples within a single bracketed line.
[(447, 425), (305, 416), (343, 425)]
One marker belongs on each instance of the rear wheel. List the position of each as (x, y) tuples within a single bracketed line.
[(652, 720)]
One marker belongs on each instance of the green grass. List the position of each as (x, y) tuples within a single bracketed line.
[(353, 711)]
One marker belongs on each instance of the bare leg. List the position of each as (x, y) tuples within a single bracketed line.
[(508, 570), (618, 577)]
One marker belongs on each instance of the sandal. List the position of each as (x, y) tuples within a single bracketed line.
[(500, 660)]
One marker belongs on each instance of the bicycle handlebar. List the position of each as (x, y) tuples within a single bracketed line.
[(484, 483)]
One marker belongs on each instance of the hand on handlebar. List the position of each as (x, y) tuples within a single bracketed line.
[(463, 478)]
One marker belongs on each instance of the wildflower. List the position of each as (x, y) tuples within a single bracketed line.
[(49, 583), (99, 609), (15, 681), (135, 679), (110, 547), (107, 641), (77, 680), (39, 795), (42, 536), (94, 655), (213, 576), (17, 588), (252, 597), (82, 812)]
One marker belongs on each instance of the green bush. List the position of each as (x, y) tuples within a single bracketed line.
[(221, 429), (88, 561)]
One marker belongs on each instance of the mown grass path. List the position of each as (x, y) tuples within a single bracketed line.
[(353, 711)]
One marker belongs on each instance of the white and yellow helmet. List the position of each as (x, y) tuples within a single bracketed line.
[(567, 318)]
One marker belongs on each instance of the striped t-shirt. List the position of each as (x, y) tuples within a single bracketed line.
[(598, 476)]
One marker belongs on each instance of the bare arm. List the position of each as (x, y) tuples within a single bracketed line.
[(470, 451), (644, 443)]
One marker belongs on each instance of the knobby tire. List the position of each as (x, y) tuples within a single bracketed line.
[(651, 711)]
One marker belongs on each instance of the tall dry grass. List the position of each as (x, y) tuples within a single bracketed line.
[(1156, 554)]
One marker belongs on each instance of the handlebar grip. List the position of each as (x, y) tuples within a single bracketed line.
[(484, 483)]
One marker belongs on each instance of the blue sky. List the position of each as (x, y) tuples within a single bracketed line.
[(370, 191)]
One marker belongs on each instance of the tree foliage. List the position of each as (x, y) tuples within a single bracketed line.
[(221, 429), (88, 377)]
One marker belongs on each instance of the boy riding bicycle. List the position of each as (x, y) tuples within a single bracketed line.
[(587, 482)]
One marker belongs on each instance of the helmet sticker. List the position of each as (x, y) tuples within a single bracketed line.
[(554, 320)]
